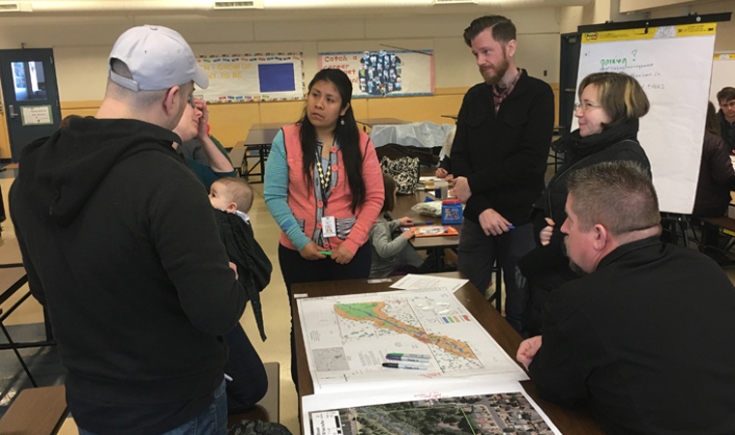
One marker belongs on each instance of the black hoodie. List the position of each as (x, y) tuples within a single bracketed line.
[(120, 245)]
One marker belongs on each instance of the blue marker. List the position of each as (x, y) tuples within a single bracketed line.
[(511, 227)]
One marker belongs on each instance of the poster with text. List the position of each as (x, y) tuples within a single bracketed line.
[(253, 77), (385, 73)]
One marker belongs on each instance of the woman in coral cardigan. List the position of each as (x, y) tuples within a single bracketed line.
[(324, 188)]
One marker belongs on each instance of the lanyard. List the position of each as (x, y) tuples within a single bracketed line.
[(324, 178)]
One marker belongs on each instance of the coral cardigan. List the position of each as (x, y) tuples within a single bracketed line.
[(298, 207)]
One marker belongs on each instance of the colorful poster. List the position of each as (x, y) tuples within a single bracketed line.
[(385, 73), (253, 77)]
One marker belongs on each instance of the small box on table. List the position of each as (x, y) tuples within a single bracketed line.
[(451, 212)]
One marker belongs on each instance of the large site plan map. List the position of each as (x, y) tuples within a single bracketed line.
[(348, 338)]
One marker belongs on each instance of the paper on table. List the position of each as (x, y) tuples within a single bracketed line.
[(347, 339), (427, 282), (319, 411)]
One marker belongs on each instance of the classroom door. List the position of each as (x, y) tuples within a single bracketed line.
[(30, 95)]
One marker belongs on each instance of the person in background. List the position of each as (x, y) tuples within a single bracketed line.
[(392, 255), (726, 98), (716, 174), (247, 381), (445, 166), (120, 245), (193, 125), (323, 187), (716, 181), (499, 157), (642, 332), (609, 107)]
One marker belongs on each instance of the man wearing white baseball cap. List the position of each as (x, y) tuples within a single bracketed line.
[(121, 247)]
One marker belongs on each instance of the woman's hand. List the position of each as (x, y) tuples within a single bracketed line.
[(545, 234), (342, 255), (202, 106), (405, 221), (311, 252)]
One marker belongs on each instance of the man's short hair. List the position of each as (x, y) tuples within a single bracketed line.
[(503, 29), (620, 95), (242, 193), (726, 94), (619, 195)]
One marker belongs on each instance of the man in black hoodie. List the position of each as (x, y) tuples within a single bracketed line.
[(120, 245)]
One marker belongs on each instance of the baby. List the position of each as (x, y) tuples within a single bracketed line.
[(232, 195)]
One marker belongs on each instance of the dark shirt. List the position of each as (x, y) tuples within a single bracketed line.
[(644, 342), (504, 155), (727, 130), (120, 245), (716, 178)]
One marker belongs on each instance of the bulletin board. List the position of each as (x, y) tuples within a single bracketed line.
[(253, 77), (385, 73)]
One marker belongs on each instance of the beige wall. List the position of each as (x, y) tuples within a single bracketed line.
[(81, 46), (230, 122)]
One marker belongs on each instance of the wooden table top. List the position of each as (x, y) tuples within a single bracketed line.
[(568, 421), (10, 252), (36, 411), (372, 122)]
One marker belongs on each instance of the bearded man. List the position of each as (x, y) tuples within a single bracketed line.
[(503, 135)]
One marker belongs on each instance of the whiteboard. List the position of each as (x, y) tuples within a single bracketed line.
[(723, 74), (673, 64)]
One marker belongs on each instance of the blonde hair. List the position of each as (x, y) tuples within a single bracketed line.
[(620, 95)]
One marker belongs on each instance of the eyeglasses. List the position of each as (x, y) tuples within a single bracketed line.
[(728, 105), (586, 107), (191, 100)]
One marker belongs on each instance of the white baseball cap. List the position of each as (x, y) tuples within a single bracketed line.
[(158, 58)]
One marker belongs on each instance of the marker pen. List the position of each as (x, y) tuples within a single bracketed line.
[(403, 366), (327, 253), (409, 355), (405, 358)]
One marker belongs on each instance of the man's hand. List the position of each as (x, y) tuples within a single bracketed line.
[(545, 234), (405, 221), (233, 267), (493, 223), (527, 350), (311, 252), (462, 189), (441, 173), (342, 255)]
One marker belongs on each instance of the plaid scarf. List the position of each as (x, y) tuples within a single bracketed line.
[(500, 94)]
